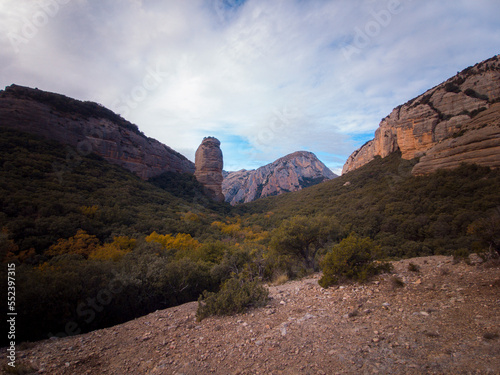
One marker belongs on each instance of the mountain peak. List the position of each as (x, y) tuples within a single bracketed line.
[(291, 172)]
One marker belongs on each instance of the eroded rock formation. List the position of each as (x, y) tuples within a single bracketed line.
[(88, 127), (290, 173), (477, 142), (209, 163), (439, 114)]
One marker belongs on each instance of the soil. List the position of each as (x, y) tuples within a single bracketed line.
[(443, 319)]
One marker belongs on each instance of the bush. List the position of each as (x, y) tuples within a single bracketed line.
[(412, 267), (302, 237), (451, 87), (235, 296), (397, 282), (351, 259), (473, 94)]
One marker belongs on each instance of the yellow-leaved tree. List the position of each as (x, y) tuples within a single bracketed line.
[(81, 243), (183, 244), (115, 250)]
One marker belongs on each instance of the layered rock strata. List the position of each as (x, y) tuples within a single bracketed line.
[(209, 163), (88, 127), (289, 173), (440, 113), (477, 142)]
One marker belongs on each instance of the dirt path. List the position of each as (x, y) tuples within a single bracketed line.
[(444, 320)]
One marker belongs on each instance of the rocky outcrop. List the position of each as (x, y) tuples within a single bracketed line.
[(438, 114), (209, 163), (289, 173), (477, 142), (88, 127)]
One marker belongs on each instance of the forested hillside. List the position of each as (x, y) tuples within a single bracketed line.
[(406, 215)]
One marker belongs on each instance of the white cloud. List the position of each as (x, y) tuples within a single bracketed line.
[(266, 77)]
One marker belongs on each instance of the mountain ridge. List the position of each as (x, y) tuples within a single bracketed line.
[(291, 172), (89, 127)]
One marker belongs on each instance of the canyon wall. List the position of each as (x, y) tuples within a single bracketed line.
[(439, 114)]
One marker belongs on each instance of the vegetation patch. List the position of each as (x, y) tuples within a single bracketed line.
[(474, 94), (235, 296), (412, 267), (451, 87), (351, 260)]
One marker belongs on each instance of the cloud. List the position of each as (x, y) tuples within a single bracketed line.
[(267, 78)]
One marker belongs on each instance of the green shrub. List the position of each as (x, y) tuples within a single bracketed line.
[(397, 282), (451, 87), (302, 237), (412, 267), (473, 94), (235, 296), (351, 259)]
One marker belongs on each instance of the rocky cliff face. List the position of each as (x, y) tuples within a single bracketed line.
[(209, 163), (439, 114), (289, 173), (477, 142), (88, 127)]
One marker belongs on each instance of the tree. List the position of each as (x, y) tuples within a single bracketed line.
[(81, 243), (115, 250), (302, 237), (8, 248), (183, 244), (487, 230)]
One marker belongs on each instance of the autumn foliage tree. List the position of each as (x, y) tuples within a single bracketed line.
[(115, 250), (81, 243), (182, 244)]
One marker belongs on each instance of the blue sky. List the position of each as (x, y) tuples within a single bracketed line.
[(265, 77)]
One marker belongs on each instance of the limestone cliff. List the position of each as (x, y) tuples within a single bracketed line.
[(209, 163), (477, 142), (437, 115), (89, 127), (289, 173)]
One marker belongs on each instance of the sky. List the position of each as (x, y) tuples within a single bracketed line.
[(266, 77)]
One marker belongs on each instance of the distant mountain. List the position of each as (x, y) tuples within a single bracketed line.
[(89, 127), (454, 122), (290, 173)]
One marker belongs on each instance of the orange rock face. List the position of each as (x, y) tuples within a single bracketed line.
[(208, 163), (479, 143), (435, 116)]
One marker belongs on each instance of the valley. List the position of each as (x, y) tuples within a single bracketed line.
[(91, 209)]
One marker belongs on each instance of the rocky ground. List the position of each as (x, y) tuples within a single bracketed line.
[(444, 319)]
